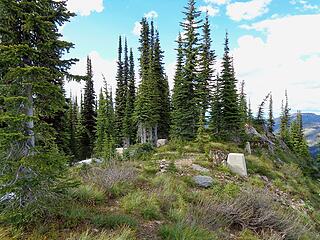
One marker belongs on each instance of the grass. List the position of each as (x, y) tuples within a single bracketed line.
[(113, 221), (145, 204), (183, 232), (88, 194)]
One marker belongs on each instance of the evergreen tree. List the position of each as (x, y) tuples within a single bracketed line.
[(162, 86), (185, 115), (243, 104), (129, 126), (72, 123), (250, 114), (205, 83), (230, 111), (285, 119), (260, 120), (89, 113), (31, 76), (297, 141), (101, 126), (215, 124), (120, 103), (271, 122), (148, 97)]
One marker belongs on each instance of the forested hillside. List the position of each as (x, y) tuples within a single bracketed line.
[(147, 148)]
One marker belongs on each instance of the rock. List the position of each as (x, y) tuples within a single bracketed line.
[(248, 148), (89, 161), (218, 156), (7, 197), (163, 165), (264, 178), (237, 164), (203, 181), (162, 142), (199, 168), (120, 151)]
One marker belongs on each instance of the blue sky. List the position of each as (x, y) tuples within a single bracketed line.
[(275, 43)]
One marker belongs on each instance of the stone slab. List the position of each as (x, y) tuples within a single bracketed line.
[(237, 164)]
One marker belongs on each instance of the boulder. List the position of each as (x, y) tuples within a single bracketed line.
[(199, 168), (248, 148), (203, 181), (89, 161), (237, 164), (120, 151), (7, 197), (162, 142)]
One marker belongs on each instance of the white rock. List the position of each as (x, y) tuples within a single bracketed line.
[(237, 164), (7, 197), (120, 151), (162, 142), (89, 161)]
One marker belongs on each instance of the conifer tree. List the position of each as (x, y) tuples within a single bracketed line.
[(215, 123), (250, 114), (231, 120), (129, 126), (162, 86), (120, 103), (271, 122), (260, 120), (243, 104), (89, 113), (101, 125), (31, 76), (285, 119), (297, 141), (186, 114), (205, 84), (148, 97), (72, 121)]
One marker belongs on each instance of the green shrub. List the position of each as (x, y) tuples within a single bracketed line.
[(113, 221), (124, 233), (247, 235), (225, 191), (87, 194), (182, 232)]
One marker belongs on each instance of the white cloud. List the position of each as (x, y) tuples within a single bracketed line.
[(151, 14), (289, 58), (137, 28), (100, 66), (247, 10), (85, 7), (218, 2), (211, 10)]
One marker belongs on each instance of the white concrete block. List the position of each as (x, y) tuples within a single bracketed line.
[(237, 164)]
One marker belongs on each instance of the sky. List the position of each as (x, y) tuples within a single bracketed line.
[(275, 43)]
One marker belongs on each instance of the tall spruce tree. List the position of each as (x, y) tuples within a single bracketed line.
[(148, 97), (205, 82), (31, 76), (128, 123), (231, 119), (186, 114), (162, 86), (120, 100), (285, 119), (101, 125), (271, 121), (89, 113), (243, 104), (260, 119), (297, 141), (215, 123)]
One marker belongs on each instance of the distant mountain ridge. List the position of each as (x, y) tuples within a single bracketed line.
[(311, 125)]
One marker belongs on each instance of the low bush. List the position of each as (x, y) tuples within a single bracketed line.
[(113, 221), (75, 215), (251, 209), (106, 178)]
